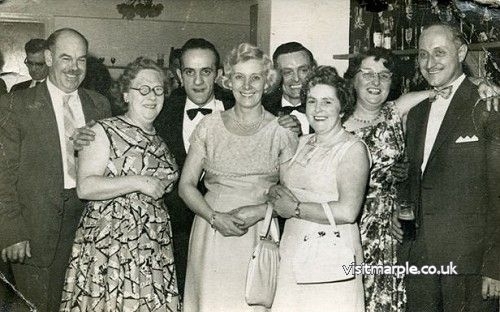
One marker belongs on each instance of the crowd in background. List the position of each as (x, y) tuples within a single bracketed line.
[(148, 193)]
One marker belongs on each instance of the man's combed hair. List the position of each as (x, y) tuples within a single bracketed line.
[(203, 44), (52, 39), (291, 47), (35, 45), (457, 37)]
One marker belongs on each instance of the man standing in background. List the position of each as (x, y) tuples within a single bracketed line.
[(35, 61), (294, 62)]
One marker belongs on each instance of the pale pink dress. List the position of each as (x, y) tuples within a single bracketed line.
[(239, 171)]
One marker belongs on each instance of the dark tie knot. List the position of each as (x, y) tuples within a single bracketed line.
[(287, 110), (445, 93), (192, 112)]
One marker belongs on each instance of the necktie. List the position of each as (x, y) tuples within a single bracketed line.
[(444, 93), (192, 112), (287, 110), (69, 128)]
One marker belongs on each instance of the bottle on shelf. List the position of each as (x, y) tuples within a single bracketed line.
[(388, 27), (376, 32), (407, 29)]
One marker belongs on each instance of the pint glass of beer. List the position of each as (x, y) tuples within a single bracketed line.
[(406, 216)]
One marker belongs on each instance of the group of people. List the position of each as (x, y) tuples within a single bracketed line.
[(159, 209)]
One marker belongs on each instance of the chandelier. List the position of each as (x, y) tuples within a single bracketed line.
[(143, 8)]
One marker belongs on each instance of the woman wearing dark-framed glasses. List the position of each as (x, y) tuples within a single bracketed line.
[(122, 258), (380, 124)]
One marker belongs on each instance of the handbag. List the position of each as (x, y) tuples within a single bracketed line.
[(262, 274), (323, 256)]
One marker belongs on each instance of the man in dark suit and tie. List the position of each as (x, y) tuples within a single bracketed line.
[(35, 61), (453, 146), (294, 62), (39, 208)]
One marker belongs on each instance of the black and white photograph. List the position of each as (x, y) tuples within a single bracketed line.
[(249, 155)]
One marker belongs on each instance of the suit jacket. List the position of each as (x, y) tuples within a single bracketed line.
[(458, 194), (21, 86), (3, 87), (168, 124), (31, 172), (272, 101)]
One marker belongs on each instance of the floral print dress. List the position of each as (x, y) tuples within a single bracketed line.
[(385, 141), (122, 257)]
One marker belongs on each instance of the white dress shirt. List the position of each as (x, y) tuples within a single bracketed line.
[(436, 116), (56, 96), (189, 125), (304, 123), (34, 82)]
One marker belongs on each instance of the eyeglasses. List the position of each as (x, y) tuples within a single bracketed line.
[(370, 75), (29, 63), (145, 90)]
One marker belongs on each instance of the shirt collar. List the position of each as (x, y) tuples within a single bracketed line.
[(55, 92), (190, 104), (455, 84), (285, 102)]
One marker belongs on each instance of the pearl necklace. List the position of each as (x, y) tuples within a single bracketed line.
[(367, 121), (252, 126)]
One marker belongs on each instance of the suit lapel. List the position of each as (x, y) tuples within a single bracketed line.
[(88, 106), (178, 123), (46, 119), (456, 111), (421, 130)]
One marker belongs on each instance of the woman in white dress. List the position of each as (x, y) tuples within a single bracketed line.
[(240, 150), (330, 166)]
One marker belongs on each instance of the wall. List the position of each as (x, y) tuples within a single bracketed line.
[(322, 26), (223, 22)]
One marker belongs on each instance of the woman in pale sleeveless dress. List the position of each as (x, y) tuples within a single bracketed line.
[(330, 166)]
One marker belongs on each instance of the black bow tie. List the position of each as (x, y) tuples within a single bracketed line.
[(445, 93), (287, 110), (192, 112)]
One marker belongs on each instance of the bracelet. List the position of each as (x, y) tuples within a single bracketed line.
[(212, 220), (297, 210)]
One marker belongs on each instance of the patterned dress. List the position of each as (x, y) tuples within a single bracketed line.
[(385, 141), (122, 254)]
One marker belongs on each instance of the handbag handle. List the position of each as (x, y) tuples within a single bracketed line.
[(269, 225), (329, 215)]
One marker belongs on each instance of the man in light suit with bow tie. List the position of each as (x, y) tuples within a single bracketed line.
[(453, 146)]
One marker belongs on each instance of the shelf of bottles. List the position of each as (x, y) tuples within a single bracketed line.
[(397, 24)]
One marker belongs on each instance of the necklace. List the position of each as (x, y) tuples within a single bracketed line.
[(367, 121), (252, 126)]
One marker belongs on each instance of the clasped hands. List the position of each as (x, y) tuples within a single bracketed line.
[(237, 221)]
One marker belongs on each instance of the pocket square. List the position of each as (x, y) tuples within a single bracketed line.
[(467, 139)]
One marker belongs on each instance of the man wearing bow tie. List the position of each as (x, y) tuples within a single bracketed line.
[(200, 67), (453, 146), (294, 62)]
